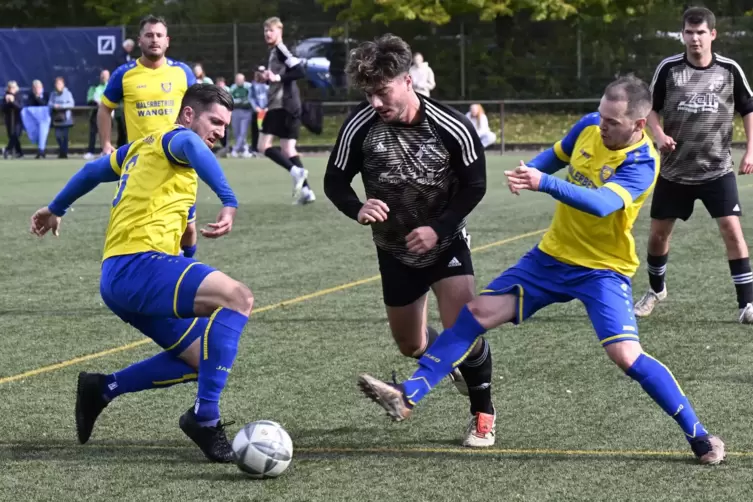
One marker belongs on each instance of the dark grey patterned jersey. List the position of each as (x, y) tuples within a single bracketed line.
[(698, 107), (430, 173), (284, 94)]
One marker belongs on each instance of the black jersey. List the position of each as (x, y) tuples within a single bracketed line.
[(431, 173)]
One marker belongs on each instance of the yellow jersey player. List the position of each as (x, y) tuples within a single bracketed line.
[(194, 312), (150, 87), (588, 254)]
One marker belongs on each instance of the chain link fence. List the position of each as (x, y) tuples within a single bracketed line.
[(507, 59)]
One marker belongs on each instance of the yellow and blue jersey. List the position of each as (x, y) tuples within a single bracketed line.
[(604, 242), (151, 97), (154, 199)]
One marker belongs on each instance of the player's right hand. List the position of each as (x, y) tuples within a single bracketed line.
[(372, 212), (666, 143), (223, 225), (43, 221), (107, 149)]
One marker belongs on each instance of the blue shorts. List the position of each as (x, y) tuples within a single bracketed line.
[(540, 280), (155, 292)]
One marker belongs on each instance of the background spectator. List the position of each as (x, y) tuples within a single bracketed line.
[(36, 117), (61, 102), (422, 75), (93, 98), (480, 122), (243, 111), (12, 104), (201, 77), (259, 100), (127, 54)]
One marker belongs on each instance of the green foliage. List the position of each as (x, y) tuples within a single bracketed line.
[(117, 12), (432, 11)]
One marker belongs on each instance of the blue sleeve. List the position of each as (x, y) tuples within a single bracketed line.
[(547, 162), (190, 77), (634, 176), (114, 90), (564, 148), (84, 181), (192, 214), (552, 160), (601, 202), (184, 147)]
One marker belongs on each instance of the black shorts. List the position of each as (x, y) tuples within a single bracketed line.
[(281, 123), (403, 285), (675, 200)]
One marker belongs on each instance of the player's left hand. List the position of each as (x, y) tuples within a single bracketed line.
[(223, 225), (746, 164), (523, 178), (422, 240), (43, 221)]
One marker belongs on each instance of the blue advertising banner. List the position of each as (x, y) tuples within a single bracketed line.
[(76, 54)]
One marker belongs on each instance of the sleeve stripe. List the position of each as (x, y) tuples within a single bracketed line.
[(108, 103), (457, 129), (665, 62), (621, 192), (290, 59), (114, 163), (350, 130), (285, 51), (560, 152), (722, 59)]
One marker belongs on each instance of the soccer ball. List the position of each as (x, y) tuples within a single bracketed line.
[(263, 449)]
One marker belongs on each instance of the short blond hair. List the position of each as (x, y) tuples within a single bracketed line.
[(273, 22)]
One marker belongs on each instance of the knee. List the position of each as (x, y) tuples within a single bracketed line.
[(624, 354), (660, 235), (289, 151), (731, 231), (241, 299), (413, 347)]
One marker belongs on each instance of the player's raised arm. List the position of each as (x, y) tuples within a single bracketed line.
[(293, 66), (345, 161), (622, 118), (187, 148), (467, 160), (558, 156), (103, 170)]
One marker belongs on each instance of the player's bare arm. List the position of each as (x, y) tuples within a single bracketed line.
[(104, 125), (746, 163), (664, 143)]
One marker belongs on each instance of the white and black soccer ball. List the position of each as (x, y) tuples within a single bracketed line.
[(263, 449)]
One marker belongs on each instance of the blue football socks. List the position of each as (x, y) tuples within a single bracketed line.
[(219, 346), (162, 370), (660, 384), (448, 351)]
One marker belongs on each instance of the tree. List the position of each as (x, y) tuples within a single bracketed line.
[(432, 11)]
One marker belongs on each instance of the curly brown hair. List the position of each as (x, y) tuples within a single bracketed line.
[(375, 63)]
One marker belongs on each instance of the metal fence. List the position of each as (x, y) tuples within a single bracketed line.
[(507, 59), (517, 124)]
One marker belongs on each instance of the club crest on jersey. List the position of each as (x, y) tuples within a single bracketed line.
[(716, 83), (606, 173), (167, 86)]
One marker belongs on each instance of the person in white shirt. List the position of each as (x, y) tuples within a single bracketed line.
[(422, 75), (477, 116)]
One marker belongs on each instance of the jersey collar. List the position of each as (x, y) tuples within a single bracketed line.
[(687, 62)]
